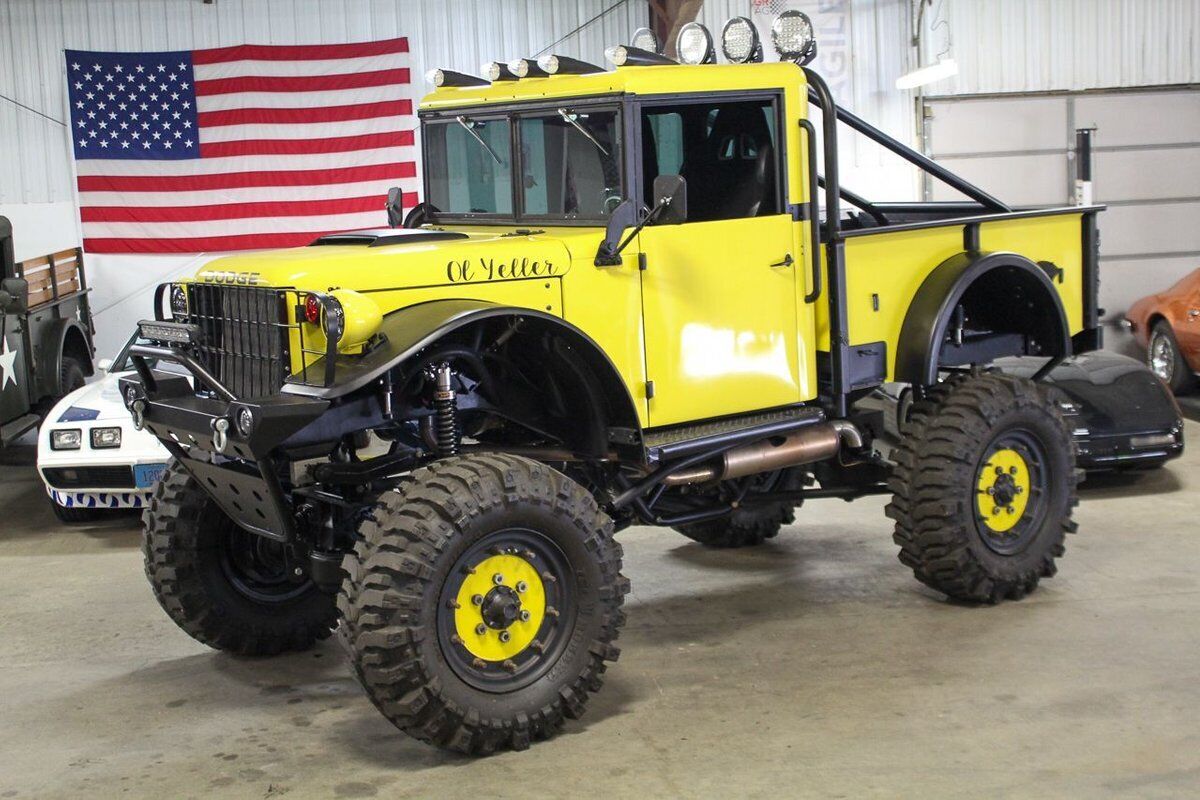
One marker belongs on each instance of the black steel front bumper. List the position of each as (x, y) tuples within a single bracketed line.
[(226, 443)]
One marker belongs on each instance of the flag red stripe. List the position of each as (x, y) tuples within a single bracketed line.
[(241, 180), (249, 241), (294, 208), (320, 52), (291, 147), (284, 116), (302, 83)]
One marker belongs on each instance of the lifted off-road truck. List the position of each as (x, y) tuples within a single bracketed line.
[(625, 300)]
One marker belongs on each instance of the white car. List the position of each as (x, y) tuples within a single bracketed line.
[(91, 457)]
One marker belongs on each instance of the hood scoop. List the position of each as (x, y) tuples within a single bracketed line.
[(379, 237)]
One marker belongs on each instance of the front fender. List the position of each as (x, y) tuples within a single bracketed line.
[(932, 310), (408, 330), (49, 350)]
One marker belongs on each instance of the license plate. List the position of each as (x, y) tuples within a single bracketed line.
[(146, 475)]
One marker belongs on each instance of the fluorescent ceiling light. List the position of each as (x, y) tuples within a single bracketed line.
[(945, 68)]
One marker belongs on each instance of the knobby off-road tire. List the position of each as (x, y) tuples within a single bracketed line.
[(456, 541), (963, 523), (227, 588)]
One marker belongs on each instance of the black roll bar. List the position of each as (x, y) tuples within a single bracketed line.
[(899, 148)]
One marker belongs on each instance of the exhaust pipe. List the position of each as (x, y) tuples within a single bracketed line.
[(806, 446)]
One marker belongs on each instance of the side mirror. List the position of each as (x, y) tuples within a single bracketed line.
[(670, 194), (14, 293), (624, 216), (395, 207)]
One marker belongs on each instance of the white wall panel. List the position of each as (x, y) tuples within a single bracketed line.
[(1041, 45)]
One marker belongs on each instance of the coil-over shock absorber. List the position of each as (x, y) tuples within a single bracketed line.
[(445, 408)]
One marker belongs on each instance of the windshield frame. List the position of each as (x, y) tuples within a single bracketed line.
[(514, 113)]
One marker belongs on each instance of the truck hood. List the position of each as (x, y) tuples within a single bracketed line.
[(397, 258)]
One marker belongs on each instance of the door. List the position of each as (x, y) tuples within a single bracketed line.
[(14, 393), (719, 290)]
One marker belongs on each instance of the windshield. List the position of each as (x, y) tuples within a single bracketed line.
[(568, 161)]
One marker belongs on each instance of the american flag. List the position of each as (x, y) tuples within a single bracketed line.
[(239, 147)]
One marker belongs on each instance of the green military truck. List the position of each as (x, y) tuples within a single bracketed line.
[(46, 333)]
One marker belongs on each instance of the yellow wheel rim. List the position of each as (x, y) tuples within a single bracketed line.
[(1002, 490), (497, 582)]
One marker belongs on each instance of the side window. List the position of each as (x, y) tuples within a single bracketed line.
[(726, 151)]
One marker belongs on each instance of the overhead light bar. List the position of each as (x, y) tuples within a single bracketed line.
[(565, 65), (646, 39), (446, 77), (623, 55), (694, 44), (945, 68)]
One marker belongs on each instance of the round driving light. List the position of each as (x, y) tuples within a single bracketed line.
[(335, 319), (645, 39), (739, 41), (549, 64), (436, 77), (497, 71), (312, 309), (695, 44), (179, 300), (245, 421), (792, 35)]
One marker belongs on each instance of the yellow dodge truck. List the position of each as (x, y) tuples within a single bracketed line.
[(629, 296)]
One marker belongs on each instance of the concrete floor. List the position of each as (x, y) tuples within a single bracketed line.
[(813, 666)]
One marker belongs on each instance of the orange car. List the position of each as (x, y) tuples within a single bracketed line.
[(1168, 326)]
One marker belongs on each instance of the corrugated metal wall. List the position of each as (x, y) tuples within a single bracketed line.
[(1041, 45), (459, 34)]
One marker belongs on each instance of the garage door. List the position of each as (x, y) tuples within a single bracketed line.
[(1146, 168)]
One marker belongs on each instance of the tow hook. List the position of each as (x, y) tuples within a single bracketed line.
[(220, 428)]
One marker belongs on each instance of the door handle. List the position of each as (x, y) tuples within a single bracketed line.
[(787, 261)]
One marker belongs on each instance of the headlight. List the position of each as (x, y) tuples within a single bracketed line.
[(645, 39), (498, 71), (695, 44), (69, 439), (792, 35), (739, 41), (245, 421), (106, 438), (179, 300)]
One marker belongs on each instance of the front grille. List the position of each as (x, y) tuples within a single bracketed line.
[(243, 336), (89, 477)]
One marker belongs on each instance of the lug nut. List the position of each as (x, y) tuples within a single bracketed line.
[(1020, 490), (996, 510), (537, 646), (1011, 510), (297, 572), (477, 599), (479, 663), (999, 470), (456, 638), (505, 636), (481, 629), (509, 665), (1012, 470), (991, 490), (551, 611), (453, 605), (497, 579), (548, 578), (524, 615), (529, 555), (467, 570), (522, 586)]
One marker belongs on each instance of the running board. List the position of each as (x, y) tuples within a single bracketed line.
[(687, 440)]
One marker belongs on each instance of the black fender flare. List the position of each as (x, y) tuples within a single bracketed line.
[(410, 329), (51, 348), (932, 309)]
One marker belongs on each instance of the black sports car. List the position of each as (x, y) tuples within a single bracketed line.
[(1124, 416)]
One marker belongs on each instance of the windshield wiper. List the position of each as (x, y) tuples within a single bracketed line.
[(469, 126), (572, 119)]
